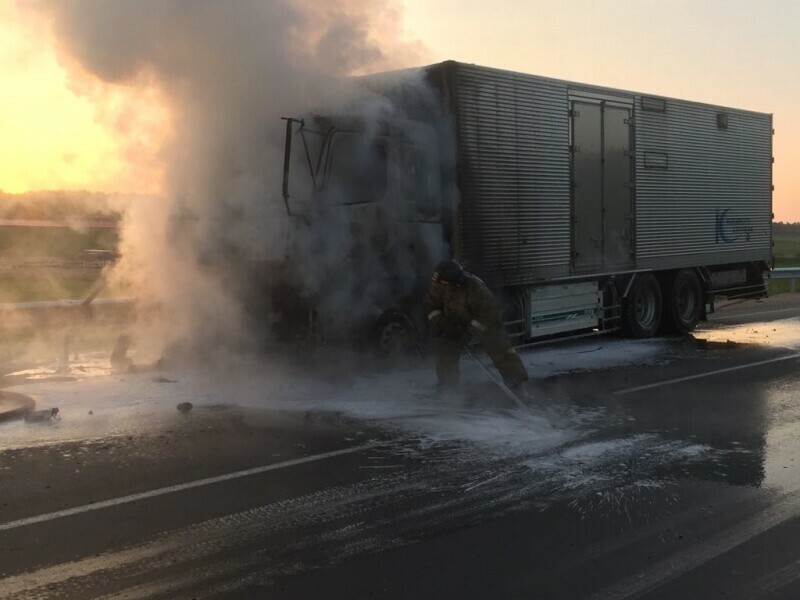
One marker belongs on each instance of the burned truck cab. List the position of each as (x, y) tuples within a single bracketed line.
[(364, 199), (587, 209)]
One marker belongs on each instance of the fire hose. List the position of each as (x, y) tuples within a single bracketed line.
[(499, 382)]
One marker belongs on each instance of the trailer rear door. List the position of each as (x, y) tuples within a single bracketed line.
[(602, 186), (587, 185)]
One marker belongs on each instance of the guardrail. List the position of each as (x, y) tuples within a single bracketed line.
[(790, 273), (59, 304), (46, 265), (58, 321), (24, 316)]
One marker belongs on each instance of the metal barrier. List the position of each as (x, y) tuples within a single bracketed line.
[(64, 304), (790, 273), (47, 265), (59, 314)]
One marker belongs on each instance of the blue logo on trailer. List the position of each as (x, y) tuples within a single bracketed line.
[(732, 229)]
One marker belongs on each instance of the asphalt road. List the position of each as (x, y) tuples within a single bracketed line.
[(655, 469)]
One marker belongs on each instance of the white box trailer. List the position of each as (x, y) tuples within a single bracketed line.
[(590, 208)]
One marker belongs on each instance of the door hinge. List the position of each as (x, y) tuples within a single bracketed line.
[(574, 113), (628, 121)]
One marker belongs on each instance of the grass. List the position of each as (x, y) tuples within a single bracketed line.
[(779, 286), (21, 343), (786, 252), (31, 285), (25, 348), (21, 245), (46, 284), (26, 243)]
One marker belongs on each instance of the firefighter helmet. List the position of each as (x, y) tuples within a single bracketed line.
[(449, 271)]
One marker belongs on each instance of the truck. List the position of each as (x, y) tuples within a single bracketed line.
[(586, 209)]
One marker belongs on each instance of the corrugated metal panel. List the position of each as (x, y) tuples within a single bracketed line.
[(705, 198), (513, 132), (709, 194)]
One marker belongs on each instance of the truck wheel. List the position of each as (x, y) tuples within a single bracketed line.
[(685, 302), (642, 308), (395, 334)]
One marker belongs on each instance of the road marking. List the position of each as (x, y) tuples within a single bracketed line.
[(772, 583), (58, 574), (705, 374), (180, 487), (680, 563), (209, 548)]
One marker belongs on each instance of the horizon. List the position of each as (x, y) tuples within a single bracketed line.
[(67, 130)]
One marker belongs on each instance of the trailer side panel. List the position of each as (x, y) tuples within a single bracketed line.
[(700, 180), (703, 184), (513, 144)]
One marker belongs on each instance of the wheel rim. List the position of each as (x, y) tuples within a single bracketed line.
[(394, 337), (646, 307)]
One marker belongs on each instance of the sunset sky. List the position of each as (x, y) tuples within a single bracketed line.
[(50, 138), (738, 53)]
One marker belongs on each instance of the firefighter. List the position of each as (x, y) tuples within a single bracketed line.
[(459, 306)]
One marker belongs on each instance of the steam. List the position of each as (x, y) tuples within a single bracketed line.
[(228, 71)]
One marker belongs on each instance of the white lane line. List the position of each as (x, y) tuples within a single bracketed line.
[(180, 487), (58, 574), (681, 563), (222, 537), (770, 584), (705, 374)]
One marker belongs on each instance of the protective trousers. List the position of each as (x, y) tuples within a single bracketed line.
[(494, 343)]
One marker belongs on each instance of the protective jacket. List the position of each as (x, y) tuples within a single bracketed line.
[(457, 312)]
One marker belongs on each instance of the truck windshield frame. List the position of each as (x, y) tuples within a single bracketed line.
[(360, 164), (314, 171)]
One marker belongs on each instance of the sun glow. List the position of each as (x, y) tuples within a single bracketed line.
[(56, 137), (61, 130)]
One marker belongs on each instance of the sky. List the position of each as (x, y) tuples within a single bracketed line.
[(54, 132), (738, 53), (49, 135)]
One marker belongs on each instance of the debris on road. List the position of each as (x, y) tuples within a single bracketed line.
[(122, 363), (13, 406), (160, 379), (41, 416), (185, 407)]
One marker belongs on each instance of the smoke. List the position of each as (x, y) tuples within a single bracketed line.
[(227, 72)]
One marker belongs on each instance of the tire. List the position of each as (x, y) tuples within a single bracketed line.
[(642, 308), (395, 335), (684, 302)]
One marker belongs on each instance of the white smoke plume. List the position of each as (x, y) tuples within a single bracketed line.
[(228, 71)]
